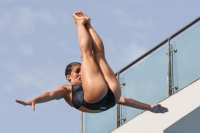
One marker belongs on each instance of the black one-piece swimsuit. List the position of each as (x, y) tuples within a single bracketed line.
[(78, 99)]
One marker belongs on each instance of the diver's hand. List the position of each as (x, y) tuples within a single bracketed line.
[(31, 103), (157, 108)]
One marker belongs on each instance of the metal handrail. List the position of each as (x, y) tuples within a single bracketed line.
[(159, 45)]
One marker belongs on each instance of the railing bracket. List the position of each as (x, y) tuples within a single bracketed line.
[(123, 119), (175, 50), (122, 84), (176, 88)]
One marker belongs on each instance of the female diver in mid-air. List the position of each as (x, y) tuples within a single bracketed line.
[(94, 87)]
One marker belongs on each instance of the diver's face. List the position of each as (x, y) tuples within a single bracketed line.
[(75, 76)]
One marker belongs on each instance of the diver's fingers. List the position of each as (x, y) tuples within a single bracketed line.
[(33, 106)]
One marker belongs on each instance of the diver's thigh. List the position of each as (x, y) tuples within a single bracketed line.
[(93, 83), (108, 75)]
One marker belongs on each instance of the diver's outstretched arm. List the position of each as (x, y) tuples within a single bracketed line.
[(157, 108), (57, 94)]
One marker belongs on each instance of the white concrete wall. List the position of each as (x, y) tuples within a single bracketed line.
[(179, 105)]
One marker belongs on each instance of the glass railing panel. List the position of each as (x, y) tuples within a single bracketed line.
[(103, 122), (186, 61), (147, 82)]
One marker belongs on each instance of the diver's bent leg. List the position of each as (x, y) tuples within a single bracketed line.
[(93, 83), (101, 63), (99, 55)]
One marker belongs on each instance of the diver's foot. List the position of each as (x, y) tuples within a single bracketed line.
[(81, 14), (87, 19), (78, 19)]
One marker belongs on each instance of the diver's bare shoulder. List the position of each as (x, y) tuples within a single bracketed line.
[(68, 94), (66, 87)]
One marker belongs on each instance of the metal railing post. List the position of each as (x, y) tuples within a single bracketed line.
[(118, 107), (119, 119), (81, 123), (169, 69)]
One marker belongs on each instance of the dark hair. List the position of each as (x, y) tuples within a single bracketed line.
[(70, 66)]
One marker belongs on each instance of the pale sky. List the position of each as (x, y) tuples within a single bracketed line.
[(38, 38)]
